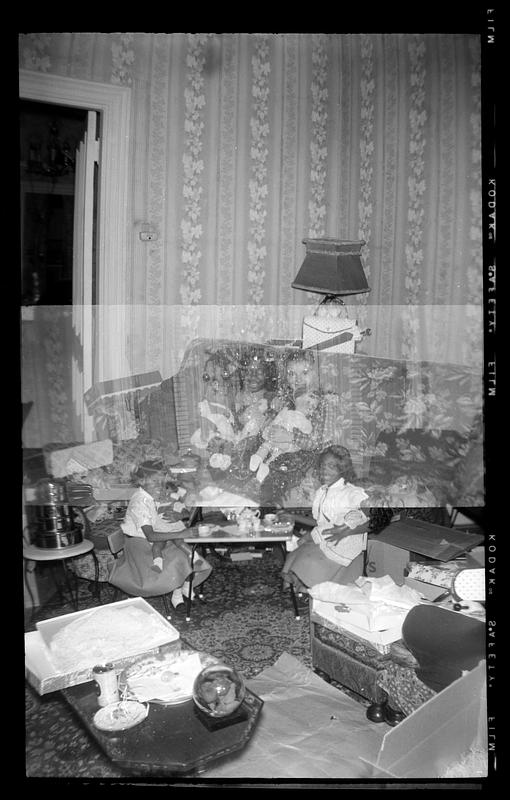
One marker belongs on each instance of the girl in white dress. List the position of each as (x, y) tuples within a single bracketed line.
[(155, 560), (333, 550)]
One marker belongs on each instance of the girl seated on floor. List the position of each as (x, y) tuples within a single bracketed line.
[(155, 560)]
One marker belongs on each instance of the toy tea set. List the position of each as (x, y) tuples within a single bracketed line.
[(248, 522)]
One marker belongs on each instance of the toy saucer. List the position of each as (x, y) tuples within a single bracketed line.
[(120, 716)]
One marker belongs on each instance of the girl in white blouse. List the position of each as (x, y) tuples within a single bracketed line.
[(155, 559), (333, 550)]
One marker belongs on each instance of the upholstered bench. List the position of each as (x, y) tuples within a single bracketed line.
[(350, 661)]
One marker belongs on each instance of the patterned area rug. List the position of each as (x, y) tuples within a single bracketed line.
[(246, 619)]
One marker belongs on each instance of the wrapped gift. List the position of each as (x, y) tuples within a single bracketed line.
[(436, 574), (79, 458)]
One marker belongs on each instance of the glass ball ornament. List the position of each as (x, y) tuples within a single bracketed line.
[(218, 690)]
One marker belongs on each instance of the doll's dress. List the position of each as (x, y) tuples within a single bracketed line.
[(330, 507), (222, 421)]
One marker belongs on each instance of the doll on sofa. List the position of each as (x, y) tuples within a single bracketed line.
[(216, 408), (253, 402), (278, 435)]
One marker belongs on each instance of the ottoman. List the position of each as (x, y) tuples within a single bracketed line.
[(353, 663)]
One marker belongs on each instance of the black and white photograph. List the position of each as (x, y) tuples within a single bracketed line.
[(258, 397)]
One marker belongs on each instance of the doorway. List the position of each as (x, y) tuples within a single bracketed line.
[(59, 366), (49, 139)]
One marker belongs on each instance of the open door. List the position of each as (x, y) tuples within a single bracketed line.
[(87, 157)]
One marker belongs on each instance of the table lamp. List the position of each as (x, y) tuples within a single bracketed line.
[(333, 268)]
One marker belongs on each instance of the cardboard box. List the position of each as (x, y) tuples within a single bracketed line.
[(439, 734), (389, 551), (40, 671), (385, 559), (434, 541), (428, 590), (79, 458)]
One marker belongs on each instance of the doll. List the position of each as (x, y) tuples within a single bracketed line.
[(254, 401), (216, 408), (278, 435)]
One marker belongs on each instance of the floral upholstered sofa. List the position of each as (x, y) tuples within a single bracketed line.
[(399, 419), (411, 429)]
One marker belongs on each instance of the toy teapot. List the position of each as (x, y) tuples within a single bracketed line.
[(248, 513), (248, 519)]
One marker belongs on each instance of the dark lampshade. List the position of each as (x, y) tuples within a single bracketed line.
[(332, 267)]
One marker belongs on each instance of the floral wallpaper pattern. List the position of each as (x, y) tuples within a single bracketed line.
[(365, 207), (244, 144), (447, 162), (390, 164), (33, 51), (227, 170), (258, 188), (318, 142), (156, 200), (416, 187), (193, 165), (123, 57)]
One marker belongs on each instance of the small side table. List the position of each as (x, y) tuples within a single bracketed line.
[(172, 740), (41, 554)]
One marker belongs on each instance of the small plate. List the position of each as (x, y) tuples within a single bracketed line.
[(157, 664), (176, 702), (120, 716)]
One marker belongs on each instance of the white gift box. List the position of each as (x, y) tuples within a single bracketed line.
[(40, 671), (367, 619), (379, 640), (79, 458)]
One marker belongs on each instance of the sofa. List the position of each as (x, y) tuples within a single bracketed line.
[(397, 418), (413, 429)]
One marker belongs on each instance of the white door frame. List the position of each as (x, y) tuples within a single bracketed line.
[(114, 105)]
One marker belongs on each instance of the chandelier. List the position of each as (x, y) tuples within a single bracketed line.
[(52, 158)]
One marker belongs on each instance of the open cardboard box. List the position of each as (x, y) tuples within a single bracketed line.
[(427, 590), (427, 539), (44, 677), (439, 734), (389, 552)]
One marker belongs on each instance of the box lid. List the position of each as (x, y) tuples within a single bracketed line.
[(428, 539), (49, 627), (42, 673), (439, 732)]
